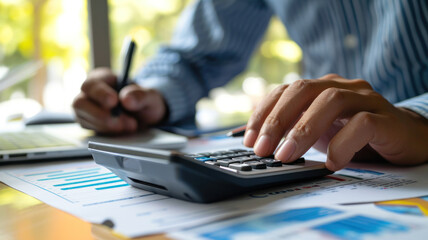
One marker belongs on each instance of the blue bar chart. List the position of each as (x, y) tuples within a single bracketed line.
[(358, 227), (269, 223), (92, 177), (322, 222), (78, 184)]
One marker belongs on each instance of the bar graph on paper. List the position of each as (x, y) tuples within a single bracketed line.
[(318, 222), (81, 184), (95, 194), (87, 184)]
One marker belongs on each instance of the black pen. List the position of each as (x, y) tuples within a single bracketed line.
[(126, 54)]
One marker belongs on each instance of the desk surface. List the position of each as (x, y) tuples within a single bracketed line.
[(26, 218)]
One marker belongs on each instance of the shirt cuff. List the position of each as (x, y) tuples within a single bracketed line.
[(417, 104), (174, 96)]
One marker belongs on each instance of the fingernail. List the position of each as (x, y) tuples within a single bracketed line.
[(330, 165), (263, 145), (286, 150), (250, 138)]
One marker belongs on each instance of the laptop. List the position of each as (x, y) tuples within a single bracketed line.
[(60, 141)]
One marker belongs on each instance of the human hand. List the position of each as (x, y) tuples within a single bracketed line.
[(341, 117), (92, 107)]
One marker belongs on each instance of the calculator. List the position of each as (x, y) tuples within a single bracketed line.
[(202, 177)]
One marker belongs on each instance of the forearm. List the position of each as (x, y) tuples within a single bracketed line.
[(417, 138), (209, 48)]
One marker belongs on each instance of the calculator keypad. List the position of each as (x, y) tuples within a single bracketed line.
[(244, 161)]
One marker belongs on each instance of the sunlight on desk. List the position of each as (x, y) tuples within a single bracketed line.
[(26, 218)]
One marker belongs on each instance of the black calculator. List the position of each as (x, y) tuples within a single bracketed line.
[(202, 177)]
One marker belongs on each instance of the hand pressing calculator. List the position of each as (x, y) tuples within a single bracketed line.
[(203, 177)]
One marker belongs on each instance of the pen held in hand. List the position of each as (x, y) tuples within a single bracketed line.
[(122, 80)]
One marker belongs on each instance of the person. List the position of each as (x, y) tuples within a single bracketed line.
[(374, 106)]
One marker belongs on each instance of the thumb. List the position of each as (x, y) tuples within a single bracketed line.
[(148, 105), (134, 98)]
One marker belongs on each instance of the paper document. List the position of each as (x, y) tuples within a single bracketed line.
[(316, 222), (93, 193), (357, 183)]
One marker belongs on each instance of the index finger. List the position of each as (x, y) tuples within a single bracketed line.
[(262, 111), (265, 107), (99, 87), (289, 107)]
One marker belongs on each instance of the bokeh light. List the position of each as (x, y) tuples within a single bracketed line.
[(287, 50), (254, 86), (56, 32)]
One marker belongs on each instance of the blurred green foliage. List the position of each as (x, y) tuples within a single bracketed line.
[(153, 23), (57, 30), (32, 29)]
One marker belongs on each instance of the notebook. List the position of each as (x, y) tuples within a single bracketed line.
[(59, 141)]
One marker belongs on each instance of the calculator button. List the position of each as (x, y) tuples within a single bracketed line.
[(193, 155), (297, 161), (255, 157), (240, 166), (249, 152), (230, 152), (238, 150), (256, 164), (241, 154), (203, 159), (227, 162), (212, 163), (205, 154), (242, 159), (235, 150), (233, 155), (222, 152), (272, 162), (215, 154), (218, 157)]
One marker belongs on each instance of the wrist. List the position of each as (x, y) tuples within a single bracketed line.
[(417, 126)]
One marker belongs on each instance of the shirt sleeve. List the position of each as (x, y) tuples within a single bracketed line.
[(212, 43), (418, 104)]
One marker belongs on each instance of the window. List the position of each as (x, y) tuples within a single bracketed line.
[(49, 38)]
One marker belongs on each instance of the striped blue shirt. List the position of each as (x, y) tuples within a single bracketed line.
[(382, 41)]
